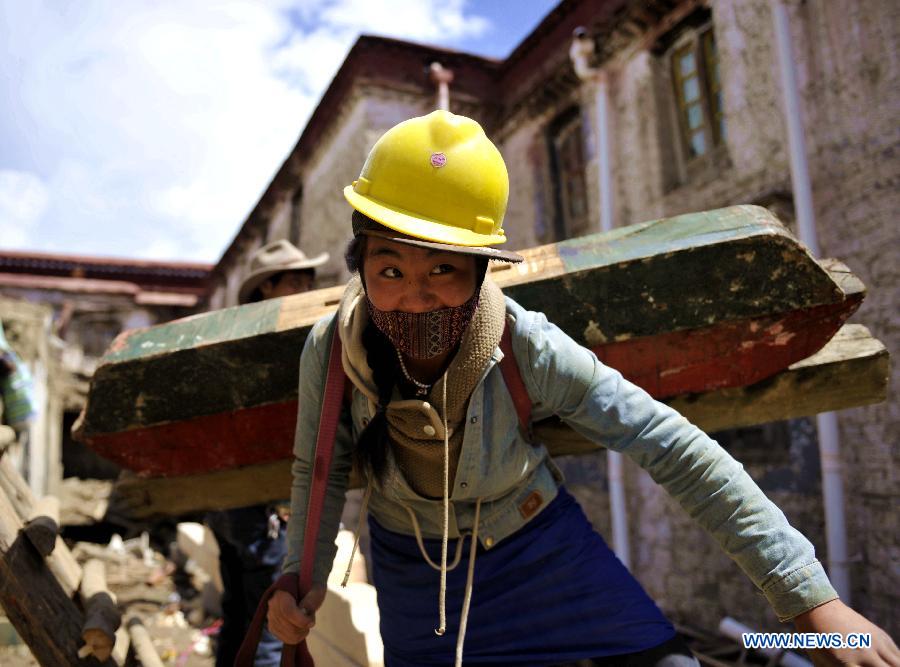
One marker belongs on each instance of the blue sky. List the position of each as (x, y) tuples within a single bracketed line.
[(148, 129)]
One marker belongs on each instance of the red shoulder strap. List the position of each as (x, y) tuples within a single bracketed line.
[(514, 383), (297, 655), (329, 417)]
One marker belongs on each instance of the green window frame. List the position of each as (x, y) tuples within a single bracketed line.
[(698, 93)]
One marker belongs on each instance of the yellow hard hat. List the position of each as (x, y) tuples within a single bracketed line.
[(437, 178)]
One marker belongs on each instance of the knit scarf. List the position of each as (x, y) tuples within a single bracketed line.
[(416, 432)]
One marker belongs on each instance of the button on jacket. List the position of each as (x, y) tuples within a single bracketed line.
[(516, 479)]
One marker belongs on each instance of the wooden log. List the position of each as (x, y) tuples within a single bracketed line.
[(16, 488), (142, 644), (43, 614), (7, 437), (42, 527), (61, 562), (684, 305), (851, 370), (102, 615), (123, 643)]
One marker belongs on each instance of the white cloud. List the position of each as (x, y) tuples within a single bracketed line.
[(155, 127), (415, 19), (23, 200)]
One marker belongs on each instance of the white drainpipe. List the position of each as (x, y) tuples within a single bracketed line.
[(581, 51), (826, 423), (604, 159)]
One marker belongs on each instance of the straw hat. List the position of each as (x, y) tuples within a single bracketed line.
[(275, 258)]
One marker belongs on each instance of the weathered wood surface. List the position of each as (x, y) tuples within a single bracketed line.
[(851, 370), (682, 305), (43, 614), (61, 562), (176, 496)]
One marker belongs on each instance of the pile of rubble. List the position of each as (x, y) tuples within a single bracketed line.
[(160, 606)]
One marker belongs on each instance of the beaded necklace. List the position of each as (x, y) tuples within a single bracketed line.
[(422, 389)]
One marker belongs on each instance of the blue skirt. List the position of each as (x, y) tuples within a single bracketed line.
[(552, 592)]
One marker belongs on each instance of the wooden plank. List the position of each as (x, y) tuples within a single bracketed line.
[(43, 614), (175, 496), (851, 370), (737, 353), (218, 390)]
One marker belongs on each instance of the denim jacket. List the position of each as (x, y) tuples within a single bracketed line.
[(515, 479)]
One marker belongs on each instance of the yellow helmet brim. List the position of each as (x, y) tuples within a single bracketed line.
[(411, 224)]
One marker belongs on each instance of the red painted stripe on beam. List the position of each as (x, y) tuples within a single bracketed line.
[(729, 354), (212, 442)]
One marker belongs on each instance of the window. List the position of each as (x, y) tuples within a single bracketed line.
[(567, 164), (698, 91)]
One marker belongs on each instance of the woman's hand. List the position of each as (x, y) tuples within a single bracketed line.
[(835, 616), (290, 621)]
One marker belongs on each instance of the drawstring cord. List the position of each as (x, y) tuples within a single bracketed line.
[(362, 514), (470, 578), (473, 546), (418, 533), (444, 567), (442, 601)]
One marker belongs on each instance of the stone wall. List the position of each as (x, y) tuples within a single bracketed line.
[(325, 214), (848, 68), (848, 75)]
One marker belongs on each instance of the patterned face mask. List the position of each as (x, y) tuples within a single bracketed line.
[(424, 335)]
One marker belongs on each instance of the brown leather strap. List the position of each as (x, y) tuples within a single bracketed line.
[(514, 384), (297, 655)]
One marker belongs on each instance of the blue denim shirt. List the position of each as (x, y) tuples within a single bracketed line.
[(509, 474)]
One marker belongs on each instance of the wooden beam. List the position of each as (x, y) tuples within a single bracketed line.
[(43, 614), (849, 371), (669, 21), (223, 489), (852, 370), (219, 390)]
